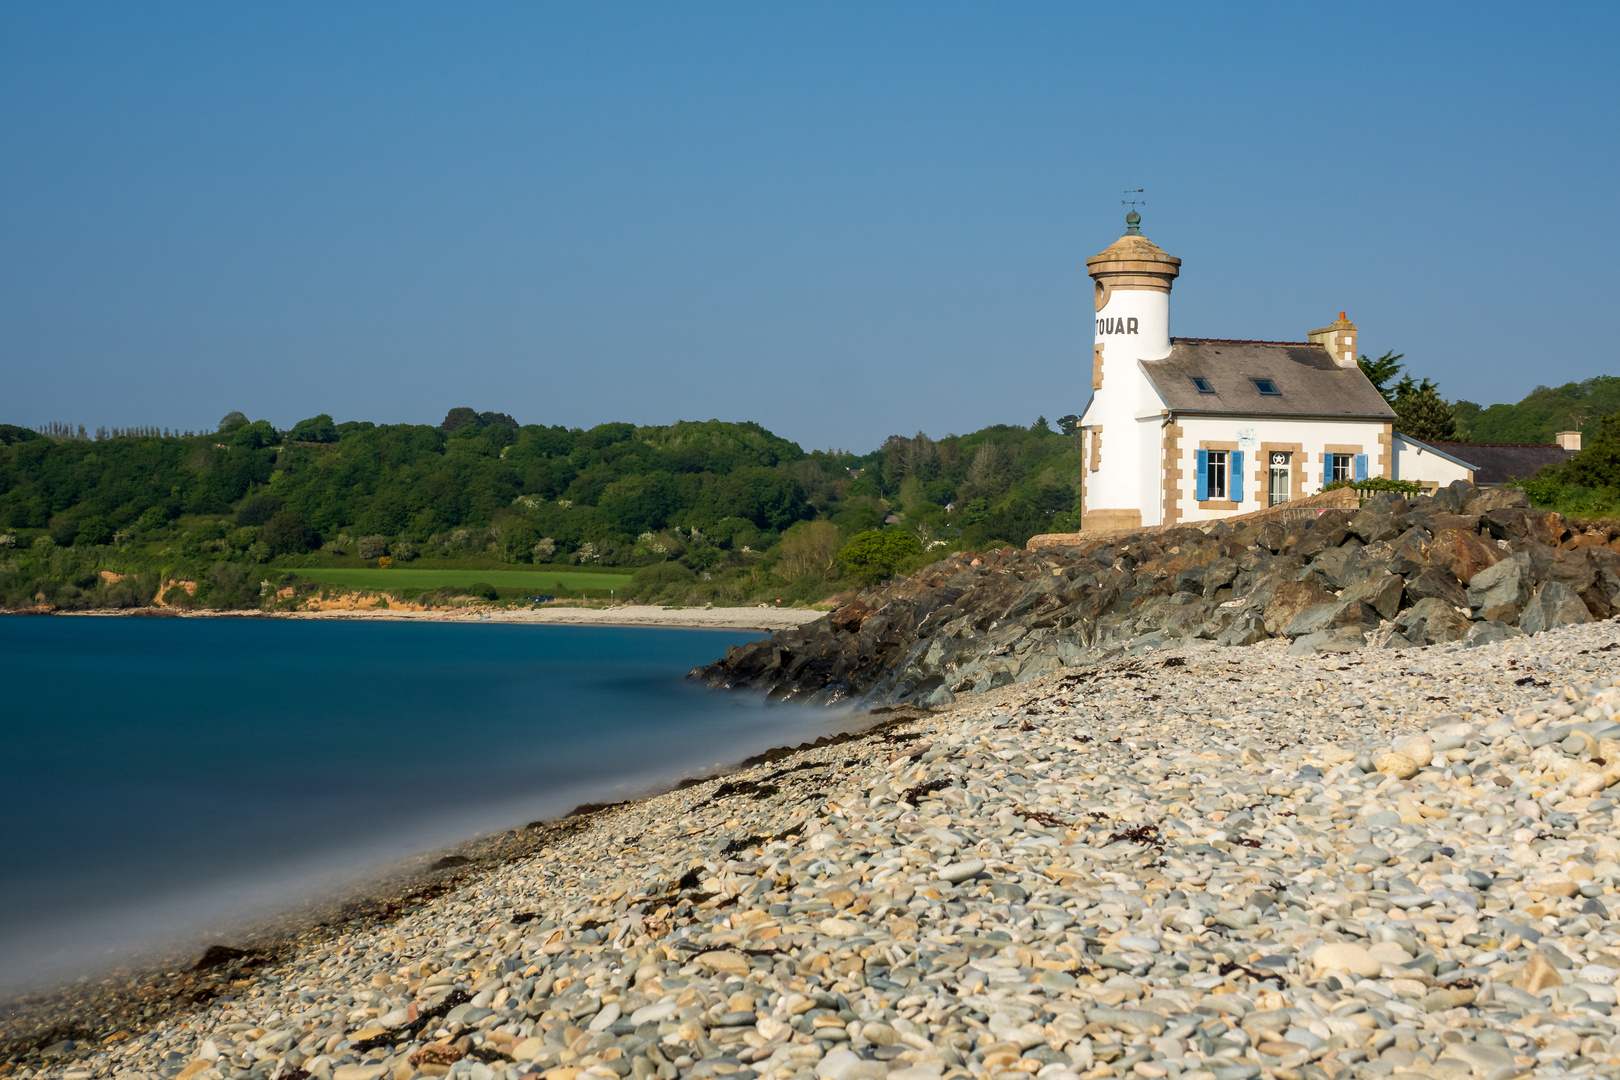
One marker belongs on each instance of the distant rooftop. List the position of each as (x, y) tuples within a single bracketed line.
[(1497, 463), (1534, 445)]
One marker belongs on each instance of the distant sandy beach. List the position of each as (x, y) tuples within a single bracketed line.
[(726, 618)]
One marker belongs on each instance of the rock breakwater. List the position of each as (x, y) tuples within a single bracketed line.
[(1310, 868), (1466, 565)]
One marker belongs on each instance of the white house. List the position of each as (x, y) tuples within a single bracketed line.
[(1187, 429)]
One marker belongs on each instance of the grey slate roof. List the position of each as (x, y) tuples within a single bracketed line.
[(1497, 463), (1311, 383)]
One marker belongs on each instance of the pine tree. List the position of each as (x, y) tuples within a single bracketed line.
[(1422, 413), (1381, 373)]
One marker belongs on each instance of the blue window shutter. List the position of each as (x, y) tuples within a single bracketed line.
[(1327, 469), (1361, 466), (1234, 479), (1203, 475)]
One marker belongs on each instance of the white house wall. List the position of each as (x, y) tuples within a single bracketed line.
[(1149, 484), (1309, 440), (1414, 461)]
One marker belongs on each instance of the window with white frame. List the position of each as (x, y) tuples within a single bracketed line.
[(1341, 467), (1215, 474)]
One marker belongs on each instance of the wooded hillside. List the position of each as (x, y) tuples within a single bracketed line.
[(719, 511)]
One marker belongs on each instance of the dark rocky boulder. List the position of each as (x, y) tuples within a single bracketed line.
[(1432, 621), (1499, 592), (1381, 593), (1463, 554), (1463, 567), (1554, 604), (1488, 499), (1372, 527), (1289, 600), (1439, 584)]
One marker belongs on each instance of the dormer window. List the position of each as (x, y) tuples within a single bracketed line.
[(1267, 387), (1201, 384)]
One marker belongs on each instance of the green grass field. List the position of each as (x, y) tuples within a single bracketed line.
[(508, 582)]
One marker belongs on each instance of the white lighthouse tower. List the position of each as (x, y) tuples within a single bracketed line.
[(1121, 425)]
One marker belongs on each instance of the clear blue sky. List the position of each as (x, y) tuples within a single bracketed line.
[(840, 220)]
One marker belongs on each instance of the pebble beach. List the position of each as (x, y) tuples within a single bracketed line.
[(1200, 863)]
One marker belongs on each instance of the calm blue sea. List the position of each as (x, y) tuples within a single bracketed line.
[(161, 778)]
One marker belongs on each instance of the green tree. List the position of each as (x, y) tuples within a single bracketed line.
[(1598, 463), (1382, 373), (255, 436), (859, 515), (1053, 496), (1422, 413), (11, 433), (288, 533), (257, 510), (638, 504), (1013, 521), (770, 498), (517, 540), (94, 530), (911, 492), (878, 554), (808, 548), (1543, 412), (991, 470), (230, 585), (458, 418), (665, 579), (317, 429)]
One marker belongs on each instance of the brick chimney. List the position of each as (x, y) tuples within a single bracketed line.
[(1339, 338), (1569, 440)]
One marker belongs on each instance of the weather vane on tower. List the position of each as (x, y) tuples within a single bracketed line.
[(1133, 220)]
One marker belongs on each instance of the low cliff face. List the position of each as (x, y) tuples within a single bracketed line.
[(1465, 566)]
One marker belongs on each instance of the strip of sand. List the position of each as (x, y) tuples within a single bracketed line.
[(722, 618)]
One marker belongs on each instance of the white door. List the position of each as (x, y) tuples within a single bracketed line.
[(1277, 490)]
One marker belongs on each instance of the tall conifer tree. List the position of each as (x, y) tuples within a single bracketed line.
[(1422, 413)]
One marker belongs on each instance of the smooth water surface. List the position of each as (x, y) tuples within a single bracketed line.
[(160, 777)]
